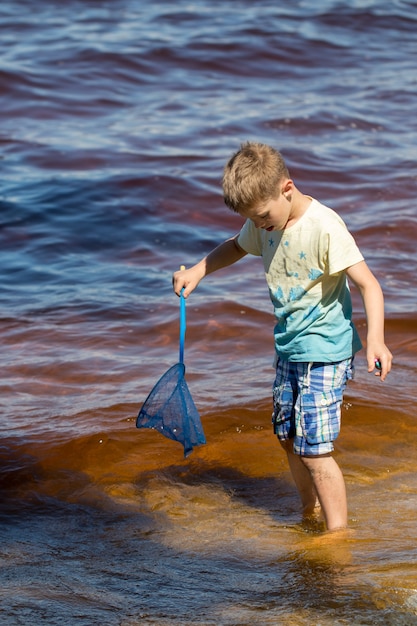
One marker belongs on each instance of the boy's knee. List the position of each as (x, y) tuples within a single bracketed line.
[(317, 463)]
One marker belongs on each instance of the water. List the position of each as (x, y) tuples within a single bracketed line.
[(116, 121)]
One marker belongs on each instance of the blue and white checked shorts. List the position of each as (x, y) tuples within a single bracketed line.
[(307, 404)]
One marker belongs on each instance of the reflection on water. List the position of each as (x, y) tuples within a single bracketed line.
[(113, 521), (116, 528)]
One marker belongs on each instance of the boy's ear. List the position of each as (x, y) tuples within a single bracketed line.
[(287, 186)]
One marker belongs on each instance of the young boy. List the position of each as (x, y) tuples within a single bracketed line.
[(308, 254)]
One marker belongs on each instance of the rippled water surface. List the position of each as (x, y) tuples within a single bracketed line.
[(116, 120)]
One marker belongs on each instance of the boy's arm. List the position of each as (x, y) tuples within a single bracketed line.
[(225, 254), (373, 301)]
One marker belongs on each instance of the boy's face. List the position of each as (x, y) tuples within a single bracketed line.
[(272, 215)]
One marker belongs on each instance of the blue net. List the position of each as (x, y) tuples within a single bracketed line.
[(170, 409)]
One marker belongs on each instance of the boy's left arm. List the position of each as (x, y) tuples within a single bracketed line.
[(373, 301)]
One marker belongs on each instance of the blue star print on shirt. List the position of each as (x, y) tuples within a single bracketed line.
[(296, 293), (279, 294), (314, 274)]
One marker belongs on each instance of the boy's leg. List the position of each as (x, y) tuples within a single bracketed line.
[(329, 485), (307, 402), (302, 478), (318, 407)]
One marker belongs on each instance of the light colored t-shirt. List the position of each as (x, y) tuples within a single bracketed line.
[(305, 271)]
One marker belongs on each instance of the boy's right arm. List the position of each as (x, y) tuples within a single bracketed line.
[(225, 254), (373, 301)]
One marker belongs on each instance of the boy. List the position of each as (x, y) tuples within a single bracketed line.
[(308, 254)]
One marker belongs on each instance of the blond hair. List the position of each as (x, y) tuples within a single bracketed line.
[(252, 176)]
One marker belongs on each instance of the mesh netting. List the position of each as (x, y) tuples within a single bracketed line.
[(170, 409)]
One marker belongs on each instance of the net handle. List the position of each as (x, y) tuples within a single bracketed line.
[(182, 322)]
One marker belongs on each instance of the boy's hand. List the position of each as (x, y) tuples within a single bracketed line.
[(379, 360), (187, 279)]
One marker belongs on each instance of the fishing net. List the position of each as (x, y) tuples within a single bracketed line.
[(169, 408)]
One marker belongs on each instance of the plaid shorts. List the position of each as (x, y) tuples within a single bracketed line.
[(307, 404)]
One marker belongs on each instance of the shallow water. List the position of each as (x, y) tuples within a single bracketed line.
[(116, 121)]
